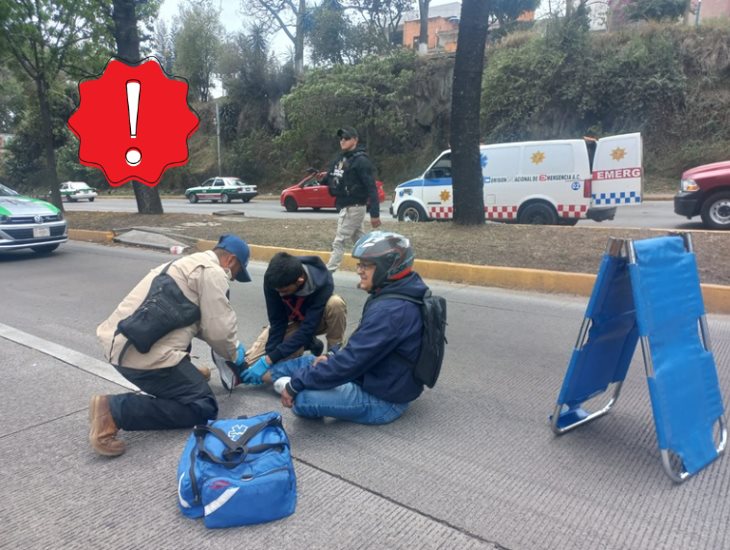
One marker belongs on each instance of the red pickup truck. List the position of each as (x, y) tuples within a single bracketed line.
[(705, 191)]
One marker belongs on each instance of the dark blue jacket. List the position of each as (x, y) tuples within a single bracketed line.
[(377, 354), (307, 310)]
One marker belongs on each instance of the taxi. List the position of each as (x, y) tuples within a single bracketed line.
[(29, 223), (221, 189)]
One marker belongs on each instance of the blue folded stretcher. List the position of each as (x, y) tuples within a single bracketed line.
[(649, 291)]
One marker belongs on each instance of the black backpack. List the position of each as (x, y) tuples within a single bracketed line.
[(433, 335)]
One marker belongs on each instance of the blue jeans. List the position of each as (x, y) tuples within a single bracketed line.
[(345, 402)]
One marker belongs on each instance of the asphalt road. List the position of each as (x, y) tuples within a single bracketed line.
[(657, 214), (472, 463)]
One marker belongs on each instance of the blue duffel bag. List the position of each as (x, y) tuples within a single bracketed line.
[(237, 472)]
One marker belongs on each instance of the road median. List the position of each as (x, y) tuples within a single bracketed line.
[(716, 297)]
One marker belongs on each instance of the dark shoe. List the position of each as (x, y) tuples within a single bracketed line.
[(103, 431), (228, 371), (230, 377), (316, 347)]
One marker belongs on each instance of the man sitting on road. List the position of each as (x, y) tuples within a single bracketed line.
[(370, 380), (177, 394), (300, 305)]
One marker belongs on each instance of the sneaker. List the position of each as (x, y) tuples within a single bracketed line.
[(281, 383), (316, 347)]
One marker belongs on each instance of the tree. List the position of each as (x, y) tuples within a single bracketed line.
[(465, 101), (381, 17), (328, 35), (466, 94), (12, 100), (43, 37), (288, 16), (334, 39), (423, 33), (124, 18), (197, 45), (163, 45)]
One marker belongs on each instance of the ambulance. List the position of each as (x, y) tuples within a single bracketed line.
[(555, 182)]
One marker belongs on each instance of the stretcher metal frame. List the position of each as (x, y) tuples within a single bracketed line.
[(566, 417)]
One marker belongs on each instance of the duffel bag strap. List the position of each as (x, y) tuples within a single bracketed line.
[(239, 448)]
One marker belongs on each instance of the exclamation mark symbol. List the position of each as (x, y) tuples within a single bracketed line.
[(133, 155)]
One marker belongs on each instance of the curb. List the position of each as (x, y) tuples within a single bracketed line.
[(90, 236), (716, 297)]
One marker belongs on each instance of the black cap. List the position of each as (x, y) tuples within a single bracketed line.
[(347, 132)]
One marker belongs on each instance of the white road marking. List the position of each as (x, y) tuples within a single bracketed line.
[(67, 355)]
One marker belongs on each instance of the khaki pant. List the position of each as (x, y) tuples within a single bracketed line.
[(332, 325), (350, 225)]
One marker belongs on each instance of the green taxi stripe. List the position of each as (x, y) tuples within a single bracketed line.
[(4, 211), (44, 203)]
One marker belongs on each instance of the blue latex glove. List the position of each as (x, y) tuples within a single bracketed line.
[(253, 374), (240, 355)]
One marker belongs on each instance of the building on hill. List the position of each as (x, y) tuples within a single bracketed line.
[(443, 27)]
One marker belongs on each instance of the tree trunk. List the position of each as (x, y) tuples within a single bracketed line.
[(127, 38), (48, 147), (299, 40), (466, 167), (423, 32)]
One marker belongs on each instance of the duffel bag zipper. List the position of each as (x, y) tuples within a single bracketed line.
[(268, 472)]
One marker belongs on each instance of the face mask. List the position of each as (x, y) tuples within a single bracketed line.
[(228, 273)]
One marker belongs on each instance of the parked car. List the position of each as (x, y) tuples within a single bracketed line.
[(705, 191), (221, 189), (310, 192), (29, 223), (73, 191)]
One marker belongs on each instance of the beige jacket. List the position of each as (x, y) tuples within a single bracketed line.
[(204, 282)]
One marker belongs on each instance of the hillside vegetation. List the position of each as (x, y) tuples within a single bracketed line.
[(670, 82)]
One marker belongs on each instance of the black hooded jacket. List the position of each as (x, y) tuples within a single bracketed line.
[(351, 180), (306, 307)]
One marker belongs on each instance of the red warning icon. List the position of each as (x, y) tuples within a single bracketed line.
[(133, 122)]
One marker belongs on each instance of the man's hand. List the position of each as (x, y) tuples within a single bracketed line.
[(286, 399), (375, 222), (252, 375)]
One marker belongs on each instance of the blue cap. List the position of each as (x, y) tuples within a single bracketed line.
[(238, 247)]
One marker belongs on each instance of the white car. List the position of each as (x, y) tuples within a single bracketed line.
[(222, 189), (73, 191)]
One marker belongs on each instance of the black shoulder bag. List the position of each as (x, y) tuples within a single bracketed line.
[(163, 310)]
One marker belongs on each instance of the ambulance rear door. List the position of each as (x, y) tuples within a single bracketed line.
[(617, 171)]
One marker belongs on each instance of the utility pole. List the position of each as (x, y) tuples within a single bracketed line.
[(697, 13), (218, 134)]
